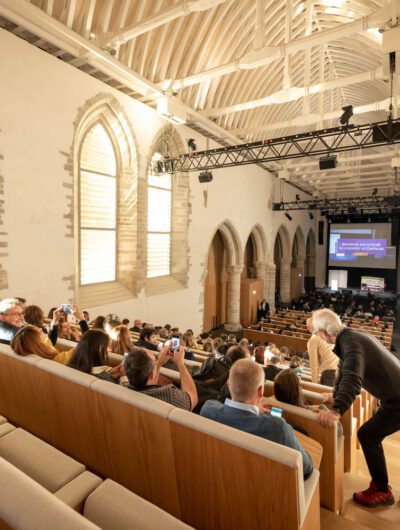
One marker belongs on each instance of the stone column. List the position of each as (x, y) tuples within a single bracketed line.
[(233, 298), (285, 280), (269, 285), (259, 267), (301, 261)]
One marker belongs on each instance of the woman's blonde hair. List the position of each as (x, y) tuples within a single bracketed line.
[(29, 340), (122, 342)]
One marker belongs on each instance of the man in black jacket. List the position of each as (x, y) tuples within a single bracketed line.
[(364, 363)]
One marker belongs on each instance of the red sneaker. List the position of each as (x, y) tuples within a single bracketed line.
[(372, 497)]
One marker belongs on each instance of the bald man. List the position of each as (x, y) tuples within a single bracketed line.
[(321, 352), (246, 412)]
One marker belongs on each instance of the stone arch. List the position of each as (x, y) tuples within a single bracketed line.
[(168, 142), (260, 243), (297, 264), (233, 266), (298, 245), (107, 110), (284, 241)]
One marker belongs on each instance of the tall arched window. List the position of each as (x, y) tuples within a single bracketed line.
[(97, 208), (158, 222)]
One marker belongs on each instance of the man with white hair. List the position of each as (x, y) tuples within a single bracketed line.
[(246, 411), (320, 353), (364, 363), (11, 319)]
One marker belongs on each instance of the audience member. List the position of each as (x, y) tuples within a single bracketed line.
[(125, 322), (86, 316), (148, 339), (34, 315), (99, 322), (137, 326), (28, 340), (22, 302), (208, 346), (120, 340), (246, 411), (142, 370), (320, 352), (11, 318), (296, 364), (91, 356), (272, 368)]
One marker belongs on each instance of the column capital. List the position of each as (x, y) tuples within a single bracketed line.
[(259, 264), (234, 269)]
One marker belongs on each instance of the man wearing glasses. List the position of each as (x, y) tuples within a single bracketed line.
[(11, 318)]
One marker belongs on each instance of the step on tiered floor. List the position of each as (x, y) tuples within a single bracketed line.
[(356, 517)]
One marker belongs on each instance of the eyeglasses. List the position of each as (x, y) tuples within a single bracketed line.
[(18, 313)]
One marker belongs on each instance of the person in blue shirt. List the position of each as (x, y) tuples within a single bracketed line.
[(246, 411)]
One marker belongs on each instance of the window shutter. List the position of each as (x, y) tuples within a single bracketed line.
[(158, 223), (98, 199)]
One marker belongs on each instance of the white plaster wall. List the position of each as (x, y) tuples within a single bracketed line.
[(40, 97)]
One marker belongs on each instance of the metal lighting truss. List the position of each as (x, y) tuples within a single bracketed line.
[(323, 142), (349, 205)]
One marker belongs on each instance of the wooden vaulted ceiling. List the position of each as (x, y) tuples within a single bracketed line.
[(168, 52)]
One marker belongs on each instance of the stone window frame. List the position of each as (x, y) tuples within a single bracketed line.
[(107, 110), (167, 141)]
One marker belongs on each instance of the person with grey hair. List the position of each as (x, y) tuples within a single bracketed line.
[(246, 411), (11, 319), (321, 354), (364, 363)]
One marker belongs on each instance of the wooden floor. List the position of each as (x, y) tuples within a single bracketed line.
[(357, 518)]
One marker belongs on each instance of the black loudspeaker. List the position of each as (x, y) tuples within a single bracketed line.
[(320, 232), (327, 162), (395, 232), (381, 133)]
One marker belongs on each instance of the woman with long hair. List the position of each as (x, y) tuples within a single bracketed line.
[(91, 356), (121, 340), (34, 315), (28, 340), (99, 322)]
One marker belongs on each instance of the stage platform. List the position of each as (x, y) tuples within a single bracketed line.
[(358, 292)]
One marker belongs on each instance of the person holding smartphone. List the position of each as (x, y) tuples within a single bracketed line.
[(143, 370)]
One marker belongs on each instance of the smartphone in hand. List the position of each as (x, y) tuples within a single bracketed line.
[(175, 343)]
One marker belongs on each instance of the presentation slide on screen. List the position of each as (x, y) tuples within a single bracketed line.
[(370, 283), (361, 245)]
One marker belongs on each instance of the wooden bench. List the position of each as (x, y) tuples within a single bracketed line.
[(157, 451)]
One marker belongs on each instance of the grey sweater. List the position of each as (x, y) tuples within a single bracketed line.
[(365, 363)]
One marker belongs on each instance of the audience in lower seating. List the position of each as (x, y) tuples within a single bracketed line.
[(91, 356), (28, 340), (143, 370), (246, 411), (120, 340), (11, 319), (296, 364), (272, 368), (148, 339)]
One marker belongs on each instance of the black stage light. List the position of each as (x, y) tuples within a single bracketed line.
[(205, 176), (327, 162), (288, 216), (191, 144), (297, 197), (375, 191), (347, 114), (310, 214)]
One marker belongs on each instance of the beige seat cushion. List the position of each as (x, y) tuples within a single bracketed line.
[(78, 489), (5, 428), (112, 506), (39, 460), (2, 419), (27, 505)]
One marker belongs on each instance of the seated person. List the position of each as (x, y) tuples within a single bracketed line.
[(11, 319), (143, 370), (34, 315), (296, 364), (91, 356), (272, 368), (148, 339), (137, 326), (28, 340), (247, 412), (59, 326), (288, 390), (120, 340)]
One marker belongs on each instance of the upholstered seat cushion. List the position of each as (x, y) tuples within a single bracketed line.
[(5, 428), (2, 419), (26, 504), (112, 506), (39, 460)]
